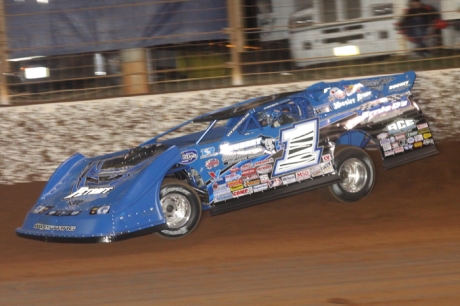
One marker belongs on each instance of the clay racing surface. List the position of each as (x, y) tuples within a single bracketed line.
[(399, 246)]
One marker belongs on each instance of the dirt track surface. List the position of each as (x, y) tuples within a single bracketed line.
[(399, 246)]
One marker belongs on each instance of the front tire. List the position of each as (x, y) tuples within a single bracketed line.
[(181, 208), (357, 170)]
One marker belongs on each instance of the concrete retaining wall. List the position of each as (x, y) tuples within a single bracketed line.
[(35, 139)]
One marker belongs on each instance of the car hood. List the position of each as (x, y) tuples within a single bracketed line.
[(98, 181)]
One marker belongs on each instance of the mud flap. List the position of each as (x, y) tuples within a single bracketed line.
[(407, 157)]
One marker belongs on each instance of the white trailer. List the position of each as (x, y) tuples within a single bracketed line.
[(331, 30)]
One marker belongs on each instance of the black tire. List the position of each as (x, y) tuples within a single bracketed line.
[(181, 207), (357, 170)]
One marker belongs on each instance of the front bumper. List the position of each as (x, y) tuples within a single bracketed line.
[(85, 228), (88, 239)]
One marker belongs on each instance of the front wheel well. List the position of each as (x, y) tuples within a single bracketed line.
[(189, 176)]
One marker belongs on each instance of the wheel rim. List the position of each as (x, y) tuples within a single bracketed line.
[(354, 175), (176, 209)]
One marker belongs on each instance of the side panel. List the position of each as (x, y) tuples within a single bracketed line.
[(269, 159)]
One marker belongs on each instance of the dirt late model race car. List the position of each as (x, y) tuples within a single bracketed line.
[(246, 154)]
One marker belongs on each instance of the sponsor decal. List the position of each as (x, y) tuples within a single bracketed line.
[(316, 171), (236, 152), (303, 175), (401, 125), (327, 157), (208, 152), (384, 142), (250, 177), (235, 183), (238, 124), (63, 213), (423, 131), (211, 163), (252, 183), (222, 191), (364, 95), (236, 187), (188, 157), (263, 162), (215, 176), (60, 228), (389, 153), (217, 186), (398, 85), (428, 142), (386, 146), (377, 83), (242, 192), (264, 169), (232, 177), (84, 191), (234, 169), (411, 134), (384, 109), (382, 136), (222, 194), (276, 182), (235, 158), (227, 148), (395, 145), (418, 137), (264, 178), (392, 139), (247, 166), (249, 172), (340, 104), (408, 147), (288, 179), (41, 209), (418, 144), (427, 135), (301, 147), (410, 140), (327, 167), (99, 210), (400, 137), (260, 187), (223, 197), (422, 126), (399, 150)]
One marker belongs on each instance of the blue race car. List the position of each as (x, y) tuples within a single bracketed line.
[(252, 152)]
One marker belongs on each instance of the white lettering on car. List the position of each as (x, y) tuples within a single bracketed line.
[(300, 148), (395, 86), (83, 191)]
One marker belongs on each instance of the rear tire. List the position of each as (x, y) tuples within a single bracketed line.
[(181, 208), (357, 170)]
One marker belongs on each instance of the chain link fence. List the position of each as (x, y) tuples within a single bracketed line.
[(77, 50)]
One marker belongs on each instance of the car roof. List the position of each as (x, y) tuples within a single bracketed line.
[(242, 108)]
